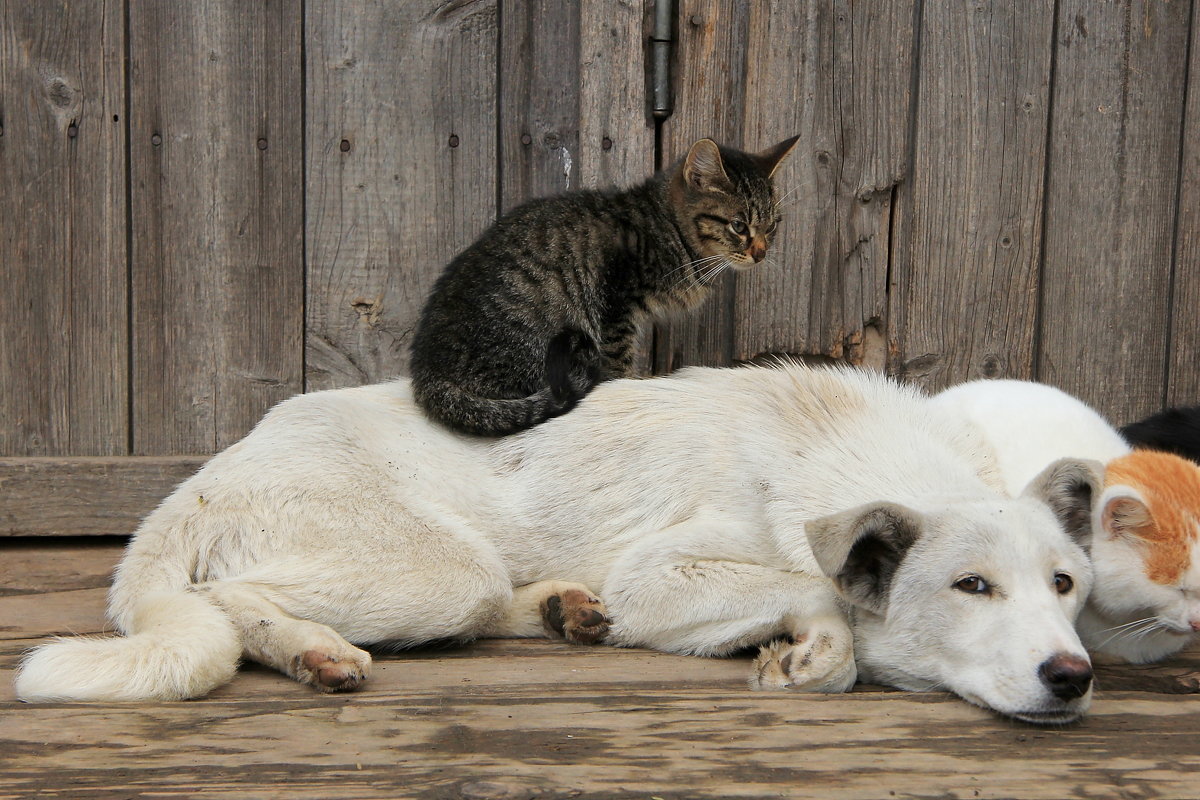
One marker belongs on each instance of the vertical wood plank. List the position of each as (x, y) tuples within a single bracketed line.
[(63, 324), (965, 277), (709, 83), (1111, 197), (572, 98), (217, 218), (401, 149), (1183, 376), (572, 101), (616, 132), (837, 73), (539, 99)]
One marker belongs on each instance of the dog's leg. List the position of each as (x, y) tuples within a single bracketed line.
[(311, 653), (554, 609), (690, 589)]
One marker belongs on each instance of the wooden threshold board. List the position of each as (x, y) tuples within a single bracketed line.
[(86, 496)]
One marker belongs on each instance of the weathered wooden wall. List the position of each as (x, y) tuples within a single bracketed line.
[(211, 206)]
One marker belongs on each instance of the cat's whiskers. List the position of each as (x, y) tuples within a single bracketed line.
[(1131, 631), (692, 267), (711, 271), (787, 194)]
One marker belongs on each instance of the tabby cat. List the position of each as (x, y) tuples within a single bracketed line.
[(552, 298)]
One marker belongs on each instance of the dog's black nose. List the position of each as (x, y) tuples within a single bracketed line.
[(1066, 676)]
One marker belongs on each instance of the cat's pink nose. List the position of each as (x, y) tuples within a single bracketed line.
[(1195, 623)]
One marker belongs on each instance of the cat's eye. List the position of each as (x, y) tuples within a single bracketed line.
[(738, 227), (1063, 583), (973, 584)]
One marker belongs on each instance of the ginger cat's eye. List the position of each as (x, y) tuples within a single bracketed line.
[(1063, 583)]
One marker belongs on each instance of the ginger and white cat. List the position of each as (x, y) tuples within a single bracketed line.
[(1145, 549)]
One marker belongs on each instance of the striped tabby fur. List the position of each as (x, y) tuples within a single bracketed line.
[(551, 299)]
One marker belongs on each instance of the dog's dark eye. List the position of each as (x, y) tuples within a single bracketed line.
[(738, 227), (1063, 583), (972, 584)]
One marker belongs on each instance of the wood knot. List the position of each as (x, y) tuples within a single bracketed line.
[(60, 93)]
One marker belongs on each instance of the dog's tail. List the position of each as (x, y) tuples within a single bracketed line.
[(177, 643)]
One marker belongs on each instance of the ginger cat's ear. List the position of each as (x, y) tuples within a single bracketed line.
[(1124, 513)]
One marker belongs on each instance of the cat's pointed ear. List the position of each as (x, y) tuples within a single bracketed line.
[(1123, 512), (772, 157), (1070, 486), (703, 169)]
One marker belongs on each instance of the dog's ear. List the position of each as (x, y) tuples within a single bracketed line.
[(860, 550), (1070, 486)]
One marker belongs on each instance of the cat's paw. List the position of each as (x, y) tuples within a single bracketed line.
[(821, 659), (576, 616)]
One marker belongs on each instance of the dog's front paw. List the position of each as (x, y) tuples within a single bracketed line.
[(819, 660), (333, 669), (576, 616)]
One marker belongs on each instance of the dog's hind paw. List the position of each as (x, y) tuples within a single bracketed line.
[(576, 616), (342, 670), (819, 660)]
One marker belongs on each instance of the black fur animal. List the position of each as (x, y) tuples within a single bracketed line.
[(1176, 430), (551, 299)]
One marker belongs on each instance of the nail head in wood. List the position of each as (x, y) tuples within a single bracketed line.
[(262, 144), (606, 143), (526, 139), (72, 131), (453, 140), (156, 139), (344, 146)]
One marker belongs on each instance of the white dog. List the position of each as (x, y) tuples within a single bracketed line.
[(707, 508), (1145, 542)]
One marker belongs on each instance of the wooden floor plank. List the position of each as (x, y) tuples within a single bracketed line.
[(583, 740), (505, 719), (37, 565)]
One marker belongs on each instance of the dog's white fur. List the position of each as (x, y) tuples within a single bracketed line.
[(1029, 425), (704, 507)]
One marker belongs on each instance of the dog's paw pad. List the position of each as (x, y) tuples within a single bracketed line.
[(575, 616), (334, 672), (820, 661)]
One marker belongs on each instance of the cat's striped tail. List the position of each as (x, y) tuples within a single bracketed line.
[(572, 369), (461, 410)]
